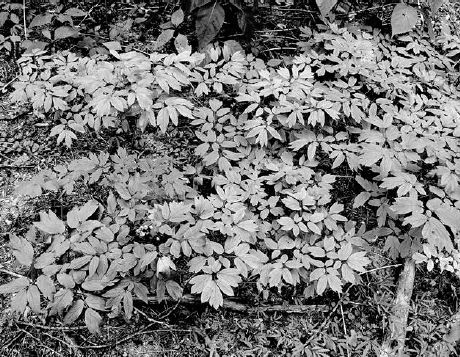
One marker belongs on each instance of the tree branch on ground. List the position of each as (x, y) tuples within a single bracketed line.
[(393, 344)]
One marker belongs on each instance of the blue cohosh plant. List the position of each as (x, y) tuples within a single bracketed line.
[(263, 202)]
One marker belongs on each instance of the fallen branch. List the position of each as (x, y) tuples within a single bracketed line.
[(243, 308), (393, 344)]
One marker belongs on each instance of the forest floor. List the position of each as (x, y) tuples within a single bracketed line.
[(352, 324)]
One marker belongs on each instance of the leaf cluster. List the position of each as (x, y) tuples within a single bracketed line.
[(264, 202)]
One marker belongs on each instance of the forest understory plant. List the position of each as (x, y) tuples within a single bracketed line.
[(261, 200)]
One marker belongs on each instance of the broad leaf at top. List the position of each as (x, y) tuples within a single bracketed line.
[(209, 20), (435, 5), (403, 19), (325, 6)]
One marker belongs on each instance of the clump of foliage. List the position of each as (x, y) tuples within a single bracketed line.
[(264, 202)]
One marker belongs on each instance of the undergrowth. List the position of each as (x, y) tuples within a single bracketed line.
[(263, 200)]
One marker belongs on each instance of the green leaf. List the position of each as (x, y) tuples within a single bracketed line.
[(105, 234), (403, 19), (291, 203), (14, 286), (177, 17), (128, 304), (348, 274), (50, 223), (65, 32), (93, 285), (95, 302), (22, 250), (392, 245), (437, 235), (75, 12), (19, 301), (46, 286), (345, 251), (325, 6), (415, 220), (228, 279), (361, 199), (164, 37), (321, 285), (195, 4), (164, 265), (101, 104), (4, 15), (254, 259), (334, 283), (62, 299), (113, 45), (41, 20), (181, 43), (163, 119), (435, 5), (141, 292), (406, 205), (87, 210), (74, 312), (198, 282), (92, 320), (357, 261), (33, 298), (248, 225), (209, 20), (44, 260), (148, 258), (212, 293), (174, 289), (450, 216), (77, 263)]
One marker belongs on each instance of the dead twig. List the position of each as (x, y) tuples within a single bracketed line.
[(6, 157), (52, 328), (3, 88), (280, 49), (24, 18), (13, 274), (12, 340), (393, 344), (277, 30), (16, 167), (39, 342), (381, 268), (140, 312), (243, 308), (71, 345), (345, 329), (329, 316), (127, 338)]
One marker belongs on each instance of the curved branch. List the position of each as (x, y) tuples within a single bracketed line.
[(393, 344)]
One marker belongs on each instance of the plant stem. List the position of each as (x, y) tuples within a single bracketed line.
[(24, 17)]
